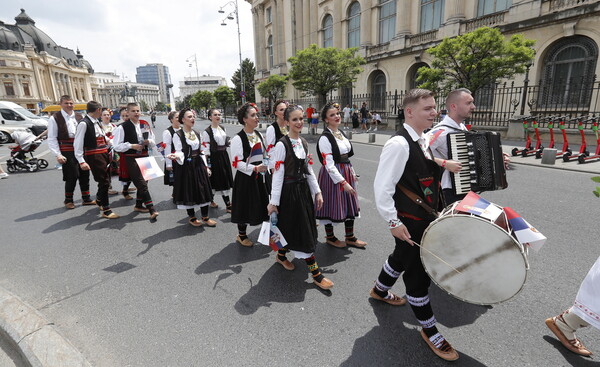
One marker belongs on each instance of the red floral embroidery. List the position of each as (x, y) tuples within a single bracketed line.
[(310, 159), (324, 156)]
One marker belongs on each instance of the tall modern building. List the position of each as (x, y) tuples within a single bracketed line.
[(157, 74)]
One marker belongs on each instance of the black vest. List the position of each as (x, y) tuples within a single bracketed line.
[(246, 144), (130, 136), (295, 168), (185, 147), (172, 132), (278, 134), (335, 149), (213, 142), (89, 139), (422, 177)]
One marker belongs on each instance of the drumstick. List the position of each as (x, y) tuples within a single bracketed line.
[(437, 257)]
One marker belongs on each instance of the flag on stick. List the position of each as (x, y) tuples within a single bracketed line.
[(149, 168), (525, 233), (474, 204)]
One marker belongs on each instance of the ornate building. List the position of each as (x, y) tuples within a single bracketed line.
[(394, 35), (35, 71), (191, 85), (111, 90)]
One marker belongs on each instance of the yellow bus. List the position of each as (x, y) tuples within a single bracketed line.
[(78, 107)]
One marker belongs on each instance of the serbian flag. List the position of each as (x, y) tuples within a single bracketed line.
[(160, 147), (271, 236), (149, 168), (525, 233), (474, 204), (256, 154)]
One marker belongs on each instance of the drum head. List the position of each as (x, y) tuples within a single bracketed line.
[(492, 267)]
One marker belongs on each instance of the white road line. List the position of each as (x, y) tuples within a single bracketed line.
[(364, 160), (362, 199)]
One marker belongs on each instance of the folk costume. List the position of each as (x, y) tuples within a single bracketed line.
[(334, 151), (114, 157), (61, 134), (167, 141), (273, 134), (214, 146), (439, 147), (250, 188), (406, 167), (127, 134), (192, 185), (91, 147)]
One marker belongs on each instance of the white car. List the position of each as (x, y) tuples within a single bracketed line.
[(14, 117)]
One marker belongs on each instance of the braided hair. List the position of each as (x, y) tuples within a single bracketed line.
[(327, 107), (243, 111)]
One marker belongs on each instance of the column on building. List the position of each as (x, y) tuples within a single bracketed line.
[(306, 29), (257, 33), (455, 11), (338, 30), (314, 22), (367, 20), (278, 31), (299, 26), (403, 13)]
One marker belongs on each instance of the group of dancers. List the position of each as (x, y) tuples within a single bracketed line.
[(274, 177)]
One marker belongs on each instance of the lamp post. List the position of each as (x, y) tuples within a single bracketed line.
[(189, 61), (237, 19)]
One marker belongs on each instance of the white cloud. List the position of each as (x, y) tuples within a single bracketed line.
[(118, 35)]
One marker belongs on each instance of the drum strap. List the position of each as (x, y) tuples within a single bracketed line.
[(417, 200)]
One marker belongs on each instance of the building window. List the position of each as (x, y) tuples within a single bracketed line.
[(268, 15), (9, 88), (270, 51), (485, 7), (26, 90), (413, 73), (354, 25), (432, 14), (328, 31), (378, 87), (2, 62), (568, 76), (387, 20)]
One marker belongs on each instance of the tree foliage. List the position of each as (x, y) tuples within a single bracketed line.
[(475, 60), (202, 99), (249, 70), (225, 96), (160, 106), (143, 105), (318, 71), (273, 88), (185, 103)]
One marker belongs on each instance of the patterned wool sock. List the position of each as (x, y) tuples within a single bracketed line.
[(349, 228), (281, 255), (386, 280), (242, 231), (226, 200), (329, 232), (85, 196), (204, 212), (313, 267), (139, 203), (68, 197)]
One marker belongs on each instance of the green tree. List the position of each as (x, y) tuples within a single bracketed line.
[(185, 103), (475, 60), (273, 88), (143, 105), (225, 96), (248, 70), (318, 71), (160, 106), (202, 100)]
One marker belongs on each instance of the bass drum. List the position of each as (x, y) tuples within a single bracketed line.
[(474, 259)]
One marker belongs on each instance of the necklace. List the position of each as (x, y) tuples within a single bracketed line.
[(284, 130), (253, 139), (338, 135), (190, 135)]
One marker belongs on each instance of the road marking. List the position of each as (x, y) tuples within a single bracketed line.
[(365, 200), (365, 160)]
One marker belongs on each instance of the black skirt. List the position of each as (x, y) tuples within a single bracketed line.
[(221, 178), (169, 176), (250, 198), (296, 218), (192, 186)]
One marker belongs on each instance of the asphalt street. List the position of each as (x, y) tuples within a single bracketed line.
[(129, 292)]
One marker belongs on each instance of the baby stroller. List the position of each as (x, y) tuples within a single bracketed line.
[(26, 143)]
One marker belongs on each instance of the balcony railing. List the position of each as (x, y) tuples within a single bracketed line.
[(489, 20), (374, 50), (563, 4), (423, 37)]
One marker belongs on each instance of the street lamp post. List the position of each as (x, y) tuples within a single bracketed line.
[(237, 19)]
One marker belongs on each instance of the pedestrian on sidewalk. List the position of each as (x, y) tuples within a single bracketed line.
[(3, 174), (252, 179), (294, 196), (347, 111), (337, 181), (364, 117), (376, 120), (192, 183), (355, 118), (214, 146)]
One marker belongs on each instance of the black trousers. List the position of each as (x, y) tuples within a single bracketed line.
[(99, 165), (136, 177), (73, 173)]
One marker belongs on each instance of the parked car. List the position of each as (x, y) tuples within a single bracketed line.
[(15, 117)]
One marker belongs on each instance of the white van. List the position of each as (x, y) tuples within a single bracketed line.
[(14, 117)]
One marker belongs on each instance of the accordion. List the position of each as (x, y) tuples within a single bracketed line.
[(480, 154)]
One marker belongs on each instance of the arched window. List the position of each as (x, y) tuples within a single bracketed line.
[(413, 74), (354, 25), (328, 31), (270, 51), (569, 73), (387, 20), (378, 87), (432, 14)]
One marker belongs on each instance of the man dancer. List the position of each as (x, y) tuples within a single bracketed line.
[(132, 144), (91, 151), (123, 174), (61, 134), (406, 169)]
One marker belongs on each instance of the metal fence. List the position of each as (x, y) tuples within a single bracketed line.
[(496, 105)]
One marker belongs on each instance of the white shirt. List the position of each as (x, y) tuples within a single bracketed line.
[(167, 139), (123, 146), (71, 123), (392, 163), (278, 155), (325, 147), (439, 145), (80, 136), (346, 111), (237, 153), (194, 144)]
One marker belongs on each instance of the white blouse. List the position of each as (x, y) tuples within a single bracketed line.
[(194, 144), (220, 138), (167, 139), (344, 145), (237, 152), (278, 155)]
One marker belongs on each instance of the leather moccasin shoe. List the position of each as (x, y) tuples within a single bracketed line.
[(287, 265), (448, 355), (324, 283), (110, 216), (89, 202), (574, 345), (126, 196), (70, 205), (337, 243), (213, 204), (394, 300), (112, 192), (355, 242), (153, 215), (209, 222), (245, 242), (140, 209), (195, 222)]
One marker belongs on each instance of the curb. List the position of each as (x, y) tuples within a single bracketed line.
[(37, 340)]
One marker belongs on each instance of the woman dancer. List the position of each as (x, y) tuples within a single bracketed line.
[(278, 129), (192, 185), (167, 139), (214, 146), (337, 180), (250, 187), (108, 128), (294, 186)]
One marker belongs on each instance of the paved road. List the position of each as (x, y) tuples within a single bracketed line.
[(133, 293)]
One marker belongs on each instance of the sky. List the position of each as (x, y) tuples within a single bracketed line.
[(119, 35)]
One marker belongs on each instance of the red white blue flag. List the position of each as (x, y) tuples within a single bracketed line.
[(474, 204), (256, 154), (149, 168), (271, 236), (524, 232)]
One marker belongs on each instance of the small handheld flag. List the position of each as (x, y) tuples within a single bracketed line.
[(525, 233), (474, 204), (149, 168)]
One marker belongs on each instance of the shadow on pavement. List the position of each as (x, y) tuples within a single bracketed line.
[(230, 258), (396, 341), (184, 230), (42, 215), (570, 357), (452, 312)]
